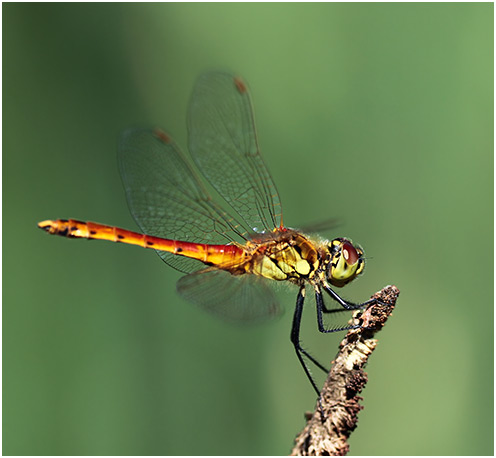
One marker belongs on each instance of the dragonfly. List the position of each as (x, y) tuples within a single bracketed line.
[(233, 248)]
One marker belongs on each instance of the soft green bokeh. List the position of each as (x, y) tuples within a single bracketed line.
[(378, 114)]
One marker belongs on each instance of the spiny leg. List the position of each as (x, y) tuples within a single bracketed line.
[(319, 300), (321, 308), (300, 348), (329, 311), (295, 339), (345, 304)]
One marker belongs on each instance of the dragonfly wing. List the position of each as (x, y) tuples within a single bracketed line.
[(241, 298), (223, 142), (320, 226), (166, 198)]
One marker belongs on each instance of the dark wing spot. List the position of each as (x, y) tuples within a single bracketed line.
[(179, 250), (120, 236), (149, 243), (240, 85), (161, 135)]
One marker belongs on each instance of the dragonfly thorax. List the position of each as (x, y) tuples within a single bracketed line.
[(345, 262), (286, 255)]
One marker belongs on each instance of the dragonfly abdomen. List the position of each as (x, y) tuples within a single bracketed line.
[(217, 255)]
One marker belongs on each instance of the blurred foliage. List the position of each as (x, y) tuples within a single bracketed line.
[(378, 114)]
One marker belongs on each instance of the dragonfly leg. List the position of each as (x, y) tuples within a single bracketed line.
[(295, 339), (346, 304), (338, 310), (321, 308)]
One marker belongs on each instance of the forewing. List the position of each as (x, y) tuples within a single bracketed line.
[(166, 198), (320, 226), (223, 143), (242, 298)]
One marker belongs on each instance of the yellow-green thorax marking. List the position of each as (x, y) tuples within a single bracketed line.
[(289, 255)]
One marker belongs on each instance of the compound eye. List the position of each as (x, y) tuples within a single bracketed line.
[(350, 254)]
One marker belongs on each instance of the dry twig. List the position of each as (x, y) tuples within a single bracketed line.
[(339, 396)]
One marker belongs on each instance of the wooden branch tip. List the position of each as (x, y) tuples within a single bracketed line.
[(327, 431)]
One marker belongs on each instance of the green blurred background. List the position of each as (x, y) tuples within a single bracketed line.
[(378, 114)]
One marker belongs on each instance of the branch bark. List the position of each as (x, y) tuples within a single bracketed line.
[(328, 434)]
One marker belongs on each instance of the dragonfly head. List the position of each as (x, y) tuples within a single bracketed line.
[(345, 262)]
